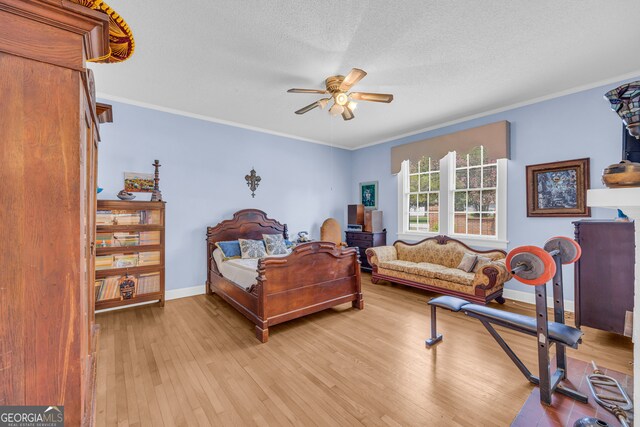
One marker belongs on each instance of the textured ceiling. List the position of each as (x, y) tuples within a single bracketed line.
[(443, 60)]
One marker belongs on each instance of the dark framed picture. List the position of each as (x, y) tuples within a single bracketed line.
[(558, 188), (369, 194)]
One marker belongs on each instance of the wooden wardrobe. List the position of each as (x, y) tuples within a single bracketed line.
[(48, 159)]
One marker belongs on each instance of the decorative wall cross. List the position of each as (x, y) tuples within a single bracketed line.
[(253, 181)]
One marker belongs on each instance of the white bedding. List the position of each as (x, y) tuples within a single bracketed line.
[(242, 272)]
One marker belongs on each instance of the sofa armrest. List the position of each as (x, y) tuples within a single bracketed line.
[(381, 254), (493, 274)]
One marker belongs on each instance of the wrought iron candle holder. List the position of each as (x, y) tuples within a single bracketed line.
[(156, 196)]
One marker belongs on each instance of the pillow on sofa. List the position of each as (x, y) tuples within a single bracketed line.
[(275, 244), (468, 262), (481, 262), (252, 248), (230, 249)]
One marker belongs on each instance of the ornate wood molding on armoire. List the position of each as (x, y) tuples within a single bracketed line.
[(48, 159)]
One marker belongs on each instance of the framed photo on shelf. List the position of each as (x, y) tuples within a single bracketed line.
[(138, 182), (369, 194), (558, 189)]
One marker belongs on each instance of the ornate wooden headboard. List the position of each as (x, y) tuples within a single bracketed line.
[(245, 224)]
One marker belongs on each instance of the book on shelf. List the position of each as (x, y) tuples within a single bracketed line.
[(104, 217), (148, 283), (104, 240), (128, 218), (149, 238), (125, 260), (126, 238), (98, 287), (150, 217), (104, 262), (149, 258), (108, 289)]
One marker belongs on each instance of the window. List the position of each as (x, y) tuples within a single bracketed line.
[(461, 195), (423, 195), (474, 194)]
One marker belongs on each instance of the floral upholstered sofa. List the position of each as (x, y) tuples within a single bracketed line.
[(433, 264)]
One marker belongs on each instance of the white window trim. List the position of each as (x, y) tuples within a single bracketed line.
[(447, 168)]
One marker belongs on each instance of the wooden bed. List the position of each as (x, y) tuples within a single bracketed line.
[(314, 277)]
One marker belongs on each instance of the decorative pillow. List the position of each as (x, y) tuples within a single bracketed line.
[(230, 250), (252, 248), (275, 244), (481, 262), (468, 262)]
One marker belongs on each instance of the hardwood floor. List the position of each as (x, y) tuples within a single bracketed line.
[(196, 362)]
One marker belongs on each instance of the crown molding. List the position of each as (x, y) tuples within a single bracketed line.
[(175, 111), (633, 75), (440, 125)]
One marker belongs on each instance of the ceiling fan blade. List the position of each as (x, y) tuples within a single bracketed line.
[(306, 91), (347, 114), (354, 76), (375, 97), (308, 108)]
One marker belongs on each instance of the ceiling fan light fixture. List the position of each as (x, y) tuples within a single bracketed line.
[(336, 110), (338, 88), (341, 98), (323, 102)]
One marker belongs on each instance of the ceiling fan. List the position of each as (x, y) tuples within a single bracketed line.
[(343, 102)]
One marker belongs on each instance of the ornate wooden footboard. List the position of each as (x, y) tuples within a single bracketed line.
[(314, 277)]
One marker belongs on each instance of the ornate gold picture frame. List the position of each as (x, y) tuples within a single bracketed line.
[(558, 189)]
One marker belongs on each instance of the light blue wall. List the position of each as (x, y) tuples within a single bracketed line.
[(202, 178), (570, 127), (204, 164)]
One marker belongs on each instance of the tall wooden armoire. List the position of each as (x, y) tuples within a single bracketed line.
[(48, 159)]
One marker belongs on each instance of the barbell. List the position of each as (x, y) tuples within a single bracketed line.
[(535, 266)]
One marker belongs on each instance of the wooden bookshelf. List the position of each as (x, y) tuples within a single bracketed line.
[(129, 241)]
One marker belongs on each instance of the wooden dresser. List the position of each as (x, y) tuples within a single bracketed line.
[(48, 158), (364, 240), (604, 275)]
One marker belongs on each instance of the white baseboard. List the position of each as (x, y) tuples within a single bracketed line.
[(185, 292), (529, 298), (521, 296), (169, 295)]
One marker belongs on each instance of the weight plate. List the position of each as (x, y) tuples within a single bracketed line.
[(541, 267), (570, 250), (535, 265)]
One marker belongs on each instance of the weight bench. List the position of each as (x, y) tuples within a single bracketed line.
[(533, 266)]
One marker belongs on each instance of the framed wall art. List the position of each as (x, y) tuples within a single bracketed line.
[(369, 194), (138, 182), (558, 189)]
